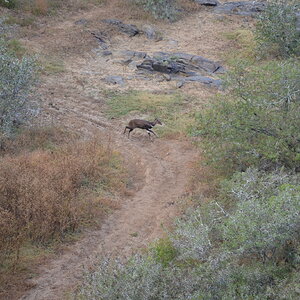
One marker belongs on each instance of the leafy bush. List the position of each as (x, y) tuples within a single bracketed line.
[(266, 218), (191, 237), (276, 29), (141, 278), (260, 125), (247, 252), (163, 251), (17, 77), (8, 3), (160, 9)]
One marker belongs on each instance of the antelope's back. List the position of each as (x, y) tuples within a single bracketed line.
[(143, 124)]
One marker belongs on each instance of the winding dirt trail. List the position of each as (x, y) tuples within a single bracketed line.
[(74, 99), (138, 221)]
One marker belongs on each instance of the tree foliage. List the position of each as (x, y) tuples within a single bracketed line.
[(276, 30), (260, 124), (17, 78)]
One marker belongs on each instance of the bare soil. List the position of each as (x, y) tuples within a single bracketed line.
[(74, 98)]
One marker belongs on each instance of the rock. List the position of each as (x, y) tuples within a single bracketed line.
[(298, 21), (106, 53), (173, 43), (188, 62), (113, 79), (132, 65), (167, 77), (180, 84), (162, 66), (128, 29), (204, 79), (243, 8), (132, 54), (81, 22), (151, 33), (101, 39), (183, 67), (200, 79), (208, 2)]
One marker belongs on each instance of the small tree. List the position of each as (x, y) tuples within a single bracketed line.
[(276, 30), (259, 124), (17, 78)]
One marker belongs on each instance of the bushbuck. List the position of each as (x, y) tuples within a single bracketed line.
[(142, 124)]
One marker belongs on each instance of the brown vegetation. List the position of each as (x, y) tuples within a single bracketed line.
[(47, 193)]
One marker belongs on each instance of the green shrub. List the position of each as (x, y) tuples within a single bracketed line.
[(266, 219), (276, 30), (191, 236), (142, 278), (163, 251), (260, 125), (247, 252), (160, 9), (17, 77), (8, 3)]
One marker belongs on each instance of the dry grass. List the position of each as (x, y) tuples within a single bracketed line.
[(36, 138), (46, 194)]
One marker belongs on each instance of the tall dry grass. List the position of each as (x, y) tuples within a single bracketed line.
[(45, 194)]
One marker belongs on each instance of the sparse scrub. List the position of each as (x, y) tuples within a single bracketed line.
[(37, 138), (15, 48), (276, 29), (160, 9), (52, 66), (22, 21), (244, 45)]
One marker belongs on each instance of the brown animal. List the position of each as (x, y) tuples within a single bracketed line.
[(142, 124)]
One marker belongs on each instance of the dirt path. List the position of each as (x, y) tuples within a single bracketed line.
[(74, 99), (138, 221)]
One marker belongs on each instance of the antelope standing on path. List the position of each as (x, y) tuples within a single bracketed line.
[(142, 124)]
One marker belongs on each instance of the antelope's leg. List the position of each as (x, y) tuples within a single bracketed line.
[(130, 129), (125, 129), (149, 135), (149, 130)]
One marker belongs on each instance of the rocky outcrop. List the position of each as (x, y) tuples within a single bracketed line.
[(129, 54), (180, 67), (186, 64), (129, 29), (243, 8), (183, 67), (101, 38)]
